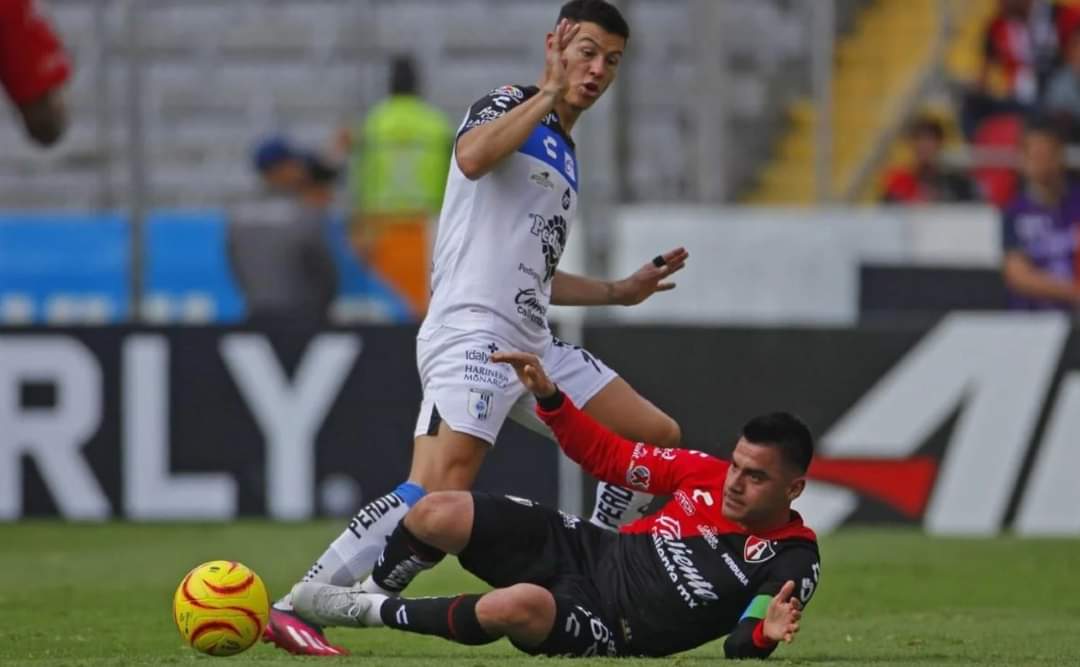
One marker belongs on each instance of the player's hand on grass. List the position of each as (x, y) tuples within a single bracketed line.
[(555, 81), (529, 370), (782, 617), (649, 279)]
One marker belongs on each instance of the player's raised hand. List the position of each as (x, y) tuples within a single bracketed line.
[(529, 370), (782, 617), (555, 79), (650, 279)]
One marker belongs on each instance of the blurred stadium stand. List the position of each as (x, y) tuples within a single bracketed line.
[(216, 74)]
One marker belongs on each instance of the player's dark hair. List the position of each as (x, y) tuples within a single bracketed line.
[(785, 431), (603, 14)]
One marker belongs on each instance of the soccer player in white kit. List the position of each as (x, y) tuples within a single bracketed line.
[(510, 199)]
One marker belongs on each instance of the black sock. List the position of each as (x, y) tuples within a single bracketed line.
[(404, 557), (449, 618)]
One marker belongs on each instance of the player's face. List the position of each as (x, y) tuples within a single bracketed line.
[(592, 60), (759, 486)]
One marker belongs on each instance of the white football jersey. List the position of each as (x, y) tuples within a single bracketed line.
[(500, 237)]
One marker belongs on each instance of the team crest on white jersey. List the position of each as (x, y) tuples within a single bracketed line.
[(480, 403)]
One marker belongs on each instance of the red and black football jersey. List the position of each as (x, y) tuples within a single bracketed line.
[(684, 575)]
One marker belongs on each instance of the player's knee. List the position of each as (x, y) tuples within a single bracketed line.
[(524, 611), (436, 512)]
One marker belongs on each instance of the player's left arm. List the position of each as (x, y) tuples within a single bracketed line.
[(568, 289), (604, 454), (775, 613)]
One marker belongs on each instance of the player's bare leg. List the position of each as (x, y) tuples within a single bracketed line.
[(447, 461), (623, 410)]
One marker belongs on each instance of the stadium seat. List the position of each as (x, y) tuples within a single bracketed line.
[(63, 268)]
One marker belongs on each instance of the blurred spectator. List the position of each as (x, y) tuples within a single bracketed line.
[(1041, 228), (926, 180), (279, 249), (33, 69), (1021, 44), (1062, 100), (400, 159)]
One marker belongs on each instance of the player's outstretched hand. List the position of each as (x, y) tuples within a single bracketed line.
[(555, 80), (783, 614), (529, 370), (650, 279)]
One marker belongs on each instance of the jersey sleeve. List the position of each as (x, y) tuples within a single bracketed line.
[(492, 106), (616, 460), (32, 59), (800, 566)]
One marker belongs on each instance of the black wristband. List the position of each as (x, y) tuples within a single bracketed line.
[(553, 402)]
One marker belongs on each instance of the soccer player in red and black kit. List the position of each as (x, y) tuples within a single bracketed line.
[(726, 556)]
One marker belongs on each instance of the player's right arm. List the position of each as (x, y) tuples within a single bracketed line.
[(606, 455), (486, 141)]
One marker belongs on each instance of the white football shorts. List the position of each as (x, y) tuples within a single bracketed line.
[(472, 395)]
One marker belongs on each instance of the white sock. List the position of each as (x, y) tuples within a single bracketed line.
[(369, 586), (617, 506), (354, 552), (372, 618)]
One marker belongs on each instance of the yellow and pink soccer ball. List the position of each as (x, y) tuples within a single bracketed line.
[(221, 608)]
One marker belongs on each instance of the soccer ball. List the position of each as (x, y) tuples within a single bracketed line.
[(221, 608)]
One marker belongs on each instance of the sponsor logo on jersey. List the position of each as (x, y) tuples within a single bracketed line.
[(543, 179), (709, 534), (552, 234), (485, 374), (566, 199), (480, 403), (675, 558), (638, 477), (735, 569), (685, 503), (530, 307), (666, 453), (512, 91), (521, 501), (757, 550), (535, 275)]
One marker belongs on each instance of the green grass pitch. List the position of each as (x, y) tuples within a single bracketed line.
[(100, 595)]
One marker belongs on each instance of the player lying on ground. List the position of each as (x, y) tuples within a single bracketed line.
[(511, 199), (726, 556)]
